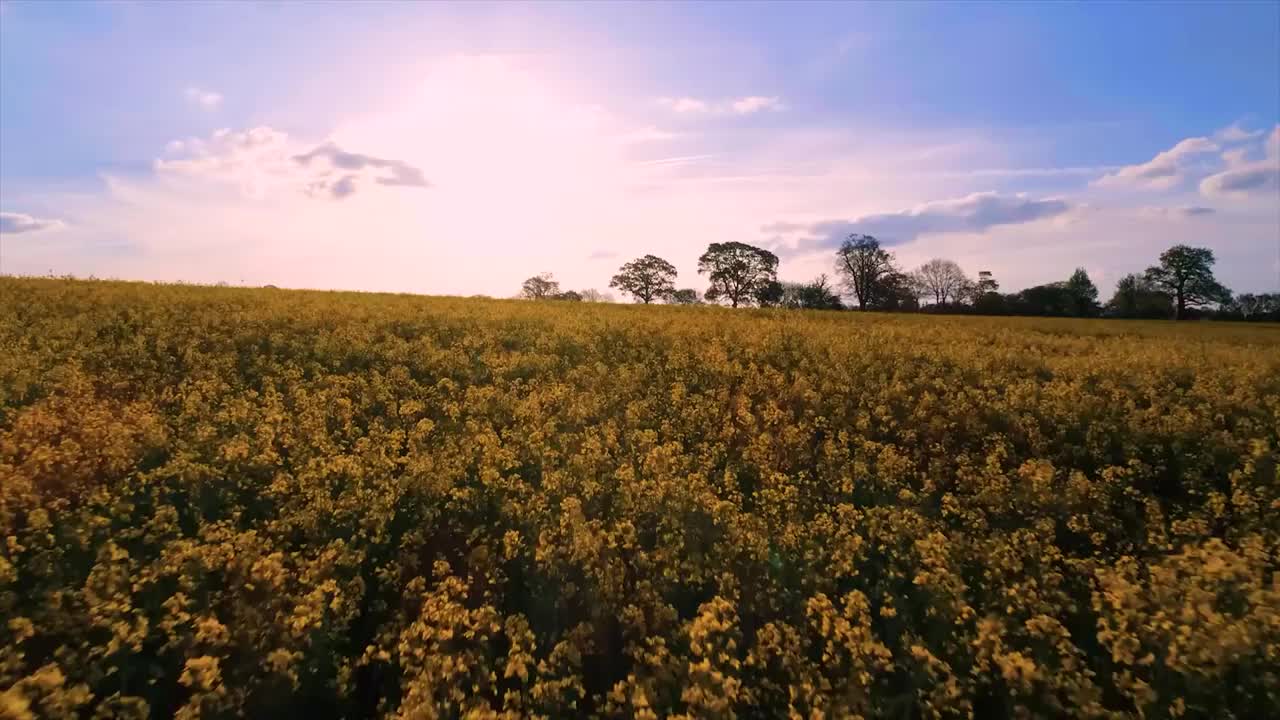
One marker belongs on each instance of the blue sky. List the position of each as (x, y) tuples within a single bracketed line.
[(460, 148)]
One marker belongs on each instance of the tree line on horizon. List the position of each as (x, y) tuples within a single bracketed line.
[(868, 277)]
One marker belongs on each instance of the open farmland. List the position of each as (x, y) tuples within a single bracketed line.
[(220, 502)]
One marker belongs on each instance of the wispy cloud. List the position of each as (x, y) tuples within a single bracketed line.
[(262, 158), (680, 160), (255, 158), (206, 99), (1176, 213), (1262, 176), (1087, 170), (1165, 170), (1245, 177), (341, 171), (775, 228), (756, 103), (1235, 133), (740, 106), (1220, 171), (972, 213), (13, 223), (685, 105)]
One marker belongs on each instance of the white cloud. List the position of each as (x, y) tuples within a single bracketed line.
[(1234, 133), (14, 223), (1230, 173), (1259, 177), (756, 103), (1166, 170), (685, 105), (206, 99), (256, 159), (1236, 157), (1244, 177), (740, 106), (261, 159)]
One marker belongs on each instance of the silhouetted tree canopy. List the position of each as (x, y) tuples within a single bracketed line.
[(895, 292), (863, 267), (1137, 297), (742, 274), (738, 272), (815, 295), (646, 279), (1262, 306), (987, 299), (941, 279), (1084, 294), (540, 287), (1186, 273), (1052, 300), (769, 294), (686, 296)]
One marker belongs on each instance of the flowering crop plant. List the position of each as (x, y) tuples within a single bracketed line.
[(229, 502)]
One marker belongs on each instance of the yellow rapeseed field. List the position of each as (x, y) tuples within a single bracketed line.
[(220, 502)]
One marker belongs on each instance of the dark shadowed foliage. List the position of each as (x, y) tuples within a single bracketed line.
[(1186, 274), (738, 272)]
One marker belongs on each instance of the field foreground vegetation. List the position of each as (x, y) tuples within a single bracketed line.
[(224, 502)]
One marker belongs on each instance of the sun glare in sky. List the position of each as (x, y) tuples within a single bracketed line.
[(458, 149)]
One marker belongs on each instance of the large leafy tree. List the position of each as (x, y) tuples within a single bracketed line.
[(815, 295), (646, 279), (1052, 299), (1084, 294), (943, 279), (865, 268), (1257, 307), (1136, 297), (1186, 273), (540, 287), (896, 291), (686, 296), (738, 272), (769, 294), (986, 295)]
